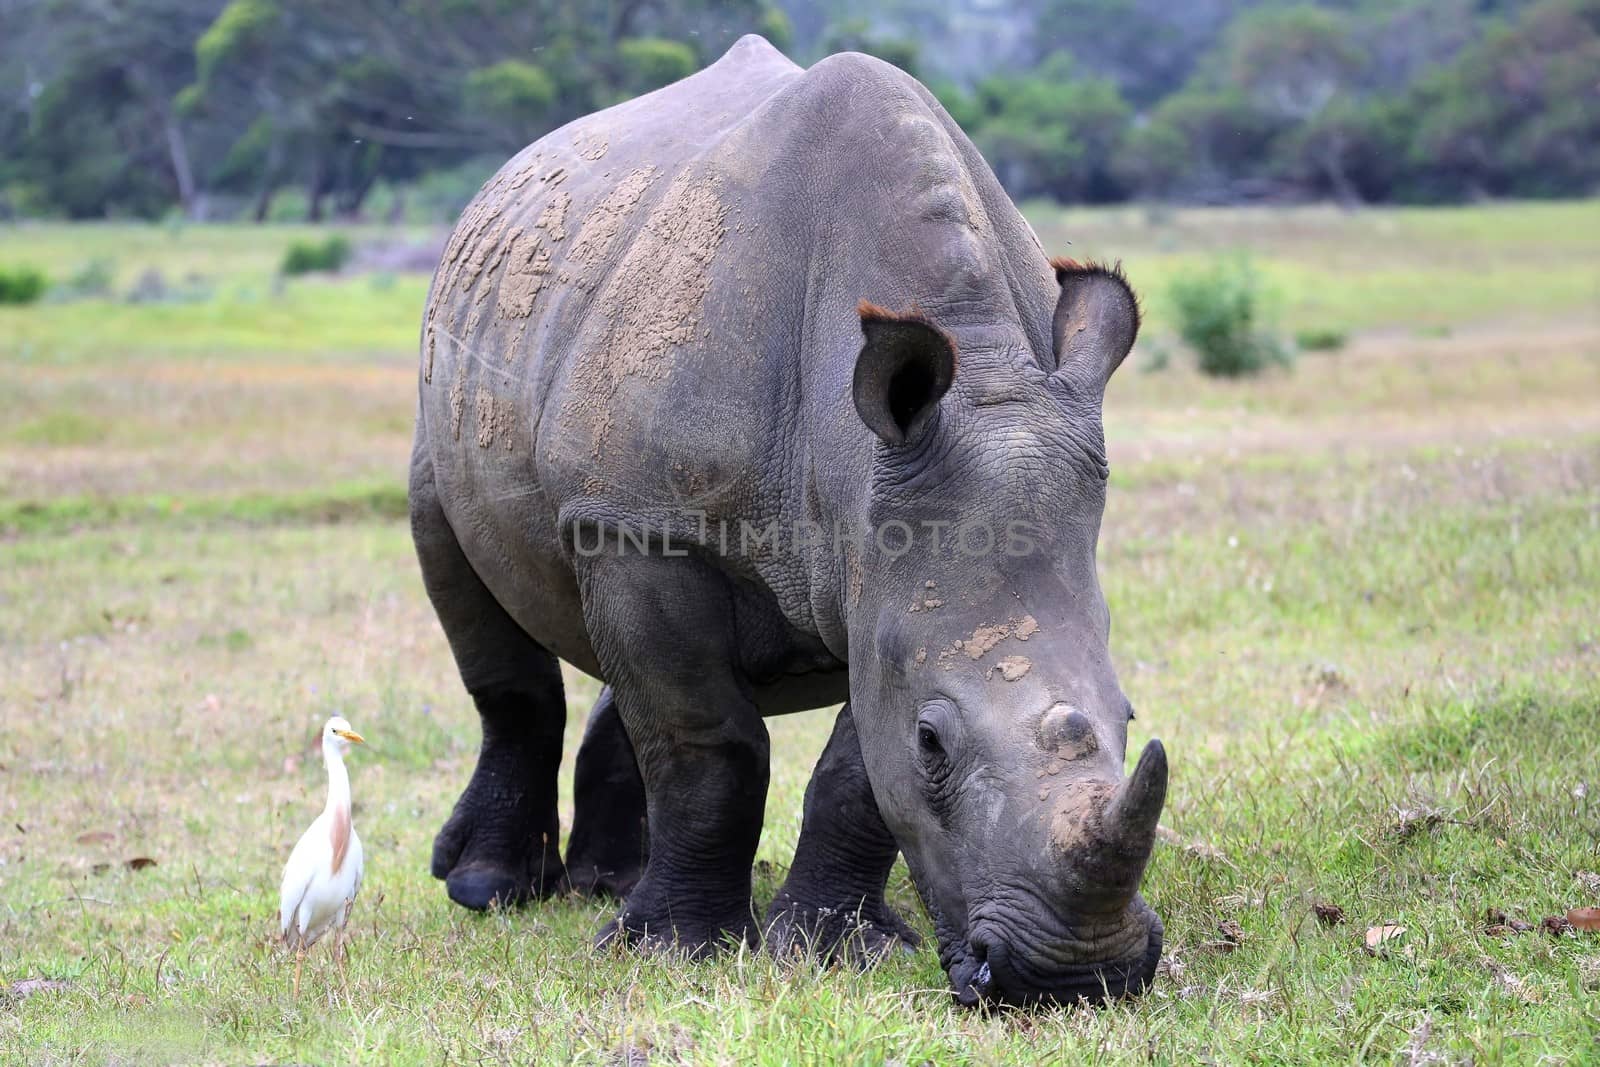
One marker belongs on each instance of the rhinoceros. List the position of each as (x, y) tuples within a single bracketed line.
[(753, 395)]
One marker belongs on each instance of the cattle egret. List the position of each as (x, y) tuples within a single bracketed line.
[(324, 871)]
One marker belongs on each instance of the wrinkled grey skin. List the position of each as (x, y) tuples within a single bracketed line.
[(648, 321)]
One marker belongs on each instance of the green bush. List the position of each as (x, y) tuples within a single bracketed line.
[(651, 62), (21, 285), (304, 257), (92, 280), (1219, 311), (1320, 339)]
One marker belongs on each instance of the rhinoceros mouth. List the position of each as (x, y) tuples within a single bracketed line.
[(998, 970)]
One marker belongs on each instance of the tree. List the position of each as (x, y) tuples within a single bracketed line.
[(1051, 133), (1519, 113)]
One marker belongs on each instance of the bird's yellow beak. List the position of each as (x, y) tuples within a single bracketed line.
[(351, 736)]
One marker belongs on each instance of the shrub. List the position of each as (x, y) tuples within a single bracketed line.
[(21, 285), (1219, 311), (1320, 339), (305, 257), (92, 280)]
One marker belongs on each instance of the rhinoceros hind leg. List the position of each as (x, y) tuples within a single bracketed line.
[(609, 844), (831, 906), (501, 844), (664, 630)]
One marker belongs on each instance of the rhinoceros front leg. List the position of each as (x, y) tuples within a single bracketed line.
[(501, 844), (664, 632), (609, 843), (832, 905)]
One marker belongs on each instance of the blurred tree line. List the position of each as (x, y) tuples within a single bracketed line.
[(218, 107)]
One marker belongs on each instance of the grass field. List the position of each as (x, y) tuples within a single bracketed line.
[(1360, 602)]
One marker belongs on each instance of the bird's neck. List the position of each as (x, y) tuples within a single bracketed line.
[(338, 781)]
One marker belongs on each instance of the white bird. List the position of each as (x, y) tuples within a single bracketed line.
[(324, 871)]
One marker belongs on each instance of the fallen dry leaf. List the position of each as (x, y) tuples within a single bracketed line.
[(1379, 937), (97, 837), (1328, 914), (139, 863), (1584, 918)]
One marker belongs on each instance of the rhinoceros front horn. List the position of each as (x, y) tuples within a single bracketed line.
[(1129, 822)]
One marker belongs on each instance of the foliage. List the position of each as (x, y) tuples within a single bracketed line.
[(21, 285), (1320, 339), (1219, 315), (856, 35), (93, 279), (215, 107), (1050, 132), (651, 62), (306, 257)]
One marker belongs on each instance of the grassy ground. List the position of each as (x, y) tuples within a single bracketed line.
[(1359, 602)]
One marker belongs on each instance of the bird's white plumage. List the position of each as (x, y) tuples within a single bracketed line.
[(314, 897), (324, 871)]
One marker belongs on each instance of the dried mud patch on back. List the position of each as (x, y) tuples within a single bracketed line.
[(495, 420), (654, 299), (527, 267), (553, 219), (592, 246)]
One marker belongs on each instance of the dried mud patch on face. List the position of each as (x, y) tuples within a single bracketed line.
[(654, 299), (1076, 813), (1013, 667), (590, 146), (592, 246), (985, 637)]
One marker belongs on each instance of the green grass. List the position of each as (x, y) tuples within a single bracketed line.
[(1411, 269), (1360, 603)]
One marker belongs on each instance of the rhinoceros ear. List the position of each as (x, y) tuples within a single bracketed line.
[(906, 364), (1096, 321)]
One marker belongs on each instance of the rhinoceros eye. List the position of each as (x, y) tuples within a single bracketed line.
[(936, 729)]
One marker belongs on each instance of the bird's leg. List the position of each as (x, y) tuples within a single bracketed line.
[(340, 955), (299, 961)]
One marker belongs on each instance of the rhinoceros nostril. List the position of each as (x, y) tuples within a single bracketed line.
[(1067, 733), (975, 980)]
